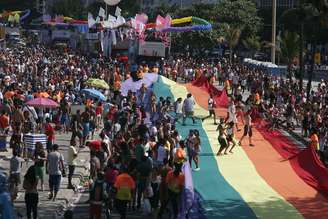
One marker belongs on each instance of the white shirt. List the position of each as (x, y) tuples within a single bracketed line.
[(189, 104), (161, 153), (32, 113), (232, 114), (178, 108), (153, 131), (211, 103), (117, 127)]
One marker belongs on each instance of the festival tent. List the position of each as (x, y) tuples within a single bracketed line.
[(270, 67)]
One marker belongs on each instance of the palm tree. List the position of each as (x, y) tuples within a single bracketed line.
[(252, 44), (289, 49), (231, 36)]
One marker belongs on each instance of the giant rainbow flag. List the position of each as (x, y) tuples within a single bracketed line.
[(257, 182)]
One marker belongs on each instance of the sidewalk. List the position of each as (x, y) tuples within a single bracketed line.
[(46, 208)]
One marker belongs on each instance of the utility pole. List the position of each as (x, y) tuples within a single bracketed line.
[(273, 48)]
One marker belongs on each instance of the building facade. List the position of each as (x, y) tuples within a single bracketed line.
[(280, 3)]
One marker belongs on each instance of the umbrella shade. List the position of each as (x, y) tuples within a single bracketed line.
[(94, 93), (41, 102), (97, 83)]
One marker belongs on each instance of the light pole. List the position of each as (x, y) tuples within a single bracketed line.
[(273, 48)]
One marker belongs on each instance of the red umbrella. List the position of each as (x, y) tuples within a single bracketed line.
[(41, 102)]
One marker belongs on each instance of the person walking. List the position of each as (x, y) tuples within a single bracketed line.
[(55, 167), (39, 159), (193, 148), (188, 109), (211, 105), (175, 180), (71, 161), (125, 186), (50, 133), (232, 116), (178, 109), (15, 174), (98, 195), (247, 128), (31, 193)]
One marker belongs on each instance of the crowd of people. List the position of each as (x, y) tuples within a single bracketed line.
[(278, 100), (138, 158), (136, 152)]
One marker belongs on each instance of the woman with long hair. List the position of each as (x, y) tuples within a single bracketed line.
[(31, 193)]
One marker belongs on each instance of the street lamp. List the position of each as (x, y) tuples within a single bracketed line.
[(273, 46)]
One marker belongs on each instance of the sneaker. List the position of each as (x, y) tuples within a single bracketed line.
[(50, 196), (251, 145), (197, 169), (215, 123)]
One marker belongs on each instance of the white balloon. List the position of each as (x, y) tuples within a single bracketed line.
[(112, 2)]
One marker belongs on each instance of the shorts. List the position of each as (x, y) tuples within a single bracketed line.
[(229, 138), (15, 178), (86, 129), (189, 113), (39, 172), (54, 182), (77, 134), (192, 152), (49, 145), (64, 119), (248, 130), (223, 142)]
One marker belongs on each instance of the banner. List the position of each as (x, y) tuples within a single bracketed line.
[(156, 49)]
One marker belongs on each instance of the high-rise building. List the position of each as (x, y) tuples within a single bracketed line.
[(280, 3)]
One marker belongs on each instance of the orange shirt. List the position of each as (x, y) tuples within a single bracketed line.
[(315, 141), (124, 184), (4, 121), (124, 180), (117, 85), (175, 183)]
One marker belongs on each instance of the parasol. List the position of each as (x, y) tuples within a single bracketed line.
[(97, 83), (41, 102), (94, 93)]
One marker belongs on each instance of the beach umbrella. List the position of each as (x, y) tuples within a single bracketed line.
[(94, 93), (42, 102), (97, 83)]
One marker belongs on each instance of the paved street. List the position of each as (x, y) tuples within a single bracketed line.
[(46, 208)]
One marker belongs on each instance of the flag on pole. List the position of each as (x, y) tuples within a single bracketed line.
[(102, 12), (91, 20), (118, 12)]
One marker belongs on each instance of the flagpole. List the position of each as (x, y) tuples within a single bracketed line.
[(106, 10)]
